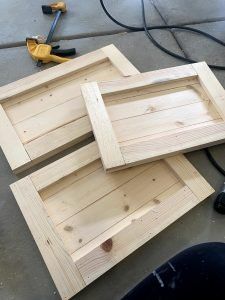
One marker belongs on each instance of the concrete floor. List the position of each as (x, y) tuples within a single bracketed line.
[(23, 274)]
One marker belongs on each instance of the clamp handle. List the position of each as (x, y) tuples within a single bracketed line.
[(63, 52)]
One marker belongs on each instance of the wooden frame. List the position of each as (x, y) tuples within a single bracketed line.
[(157, 114), (44, 113), (85, 221)]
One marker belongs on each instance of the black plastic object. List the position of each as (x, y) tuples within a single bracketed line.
[(195, 273), (63, 52), (219, 204), (47, 10)]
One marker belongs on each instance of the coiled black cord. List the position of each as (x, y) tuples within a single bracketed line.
[(149, 28), (151, 38)]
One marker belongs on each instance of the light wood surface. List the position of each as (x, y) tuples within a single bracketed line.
[(46, 111), (64, 272), (85, 221), (11, 144), (156, 114), (103, 131)]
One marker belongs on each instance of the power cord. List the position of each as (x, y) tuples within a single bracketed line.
[(166, 27), (219, 204)]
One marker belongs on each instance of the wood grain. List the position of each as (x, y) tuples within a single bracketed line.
[(103, 131)]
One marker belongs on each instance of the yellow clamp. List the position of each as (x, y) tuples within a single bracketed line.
[(42, 52)]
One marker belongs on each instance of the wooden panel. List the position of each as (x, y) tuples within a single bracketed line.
[(156, 114), (46, 111), (85, 221)]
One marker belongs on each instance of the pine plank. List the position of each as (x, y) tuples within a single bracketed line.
[(64, 272), (114, 206), (153, 102), (119, 61), (174, 144), (212, 87), (101, 124), (57, 140), (152, 78), (11, 144), (98, 261), (169, 119)]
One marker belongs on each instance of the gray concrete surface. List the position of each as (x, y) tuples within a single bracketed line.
[(82, 18), (190, 11), (23, 274)]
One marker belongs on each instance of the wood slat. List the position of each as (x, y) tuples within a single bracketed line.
[(59, 139), (153, 102), (173, 144), (156, 122), (212, 87), (114, 206), (64, 272), (107, 143), (149, 78), (65, 166), (189, 176), (119, 61), (100, 259), (11, 144)]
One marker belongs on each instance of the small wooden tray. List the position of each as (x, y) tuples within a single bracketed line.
[(157, 114), (85, 221), (44, 113)]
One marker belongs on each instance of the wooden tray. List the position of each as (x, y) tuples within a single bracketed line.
[(85, 221), (44, 113), (157, 114)]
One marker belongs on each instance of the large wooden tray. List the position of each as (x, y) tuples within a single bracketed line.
[(157, 114), (44, 113), (85, 221)]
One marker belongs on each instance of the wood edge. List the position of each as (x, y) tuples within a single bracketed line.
[(215, 94), (48, 242), (190, 176), (79, 158), (148, 78), (100, 124), (39, 79), (201, 141), (120, 61), (7, 135)]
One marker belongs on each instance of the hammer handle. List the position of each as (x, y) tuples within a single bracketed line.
[(52, 29)]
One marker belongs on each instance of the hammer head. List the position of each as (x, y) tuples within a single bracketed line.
[(51, 8)]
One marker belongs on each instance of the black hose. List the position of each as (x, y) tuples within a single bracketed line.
[(214, 162), (149, 28)]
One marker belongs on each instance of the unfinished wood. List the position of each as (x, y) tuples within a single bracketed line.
[(211, 85), (11, 144), (46, 111), (156, 114), (64, 272), (85, 221), (108, 146)]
